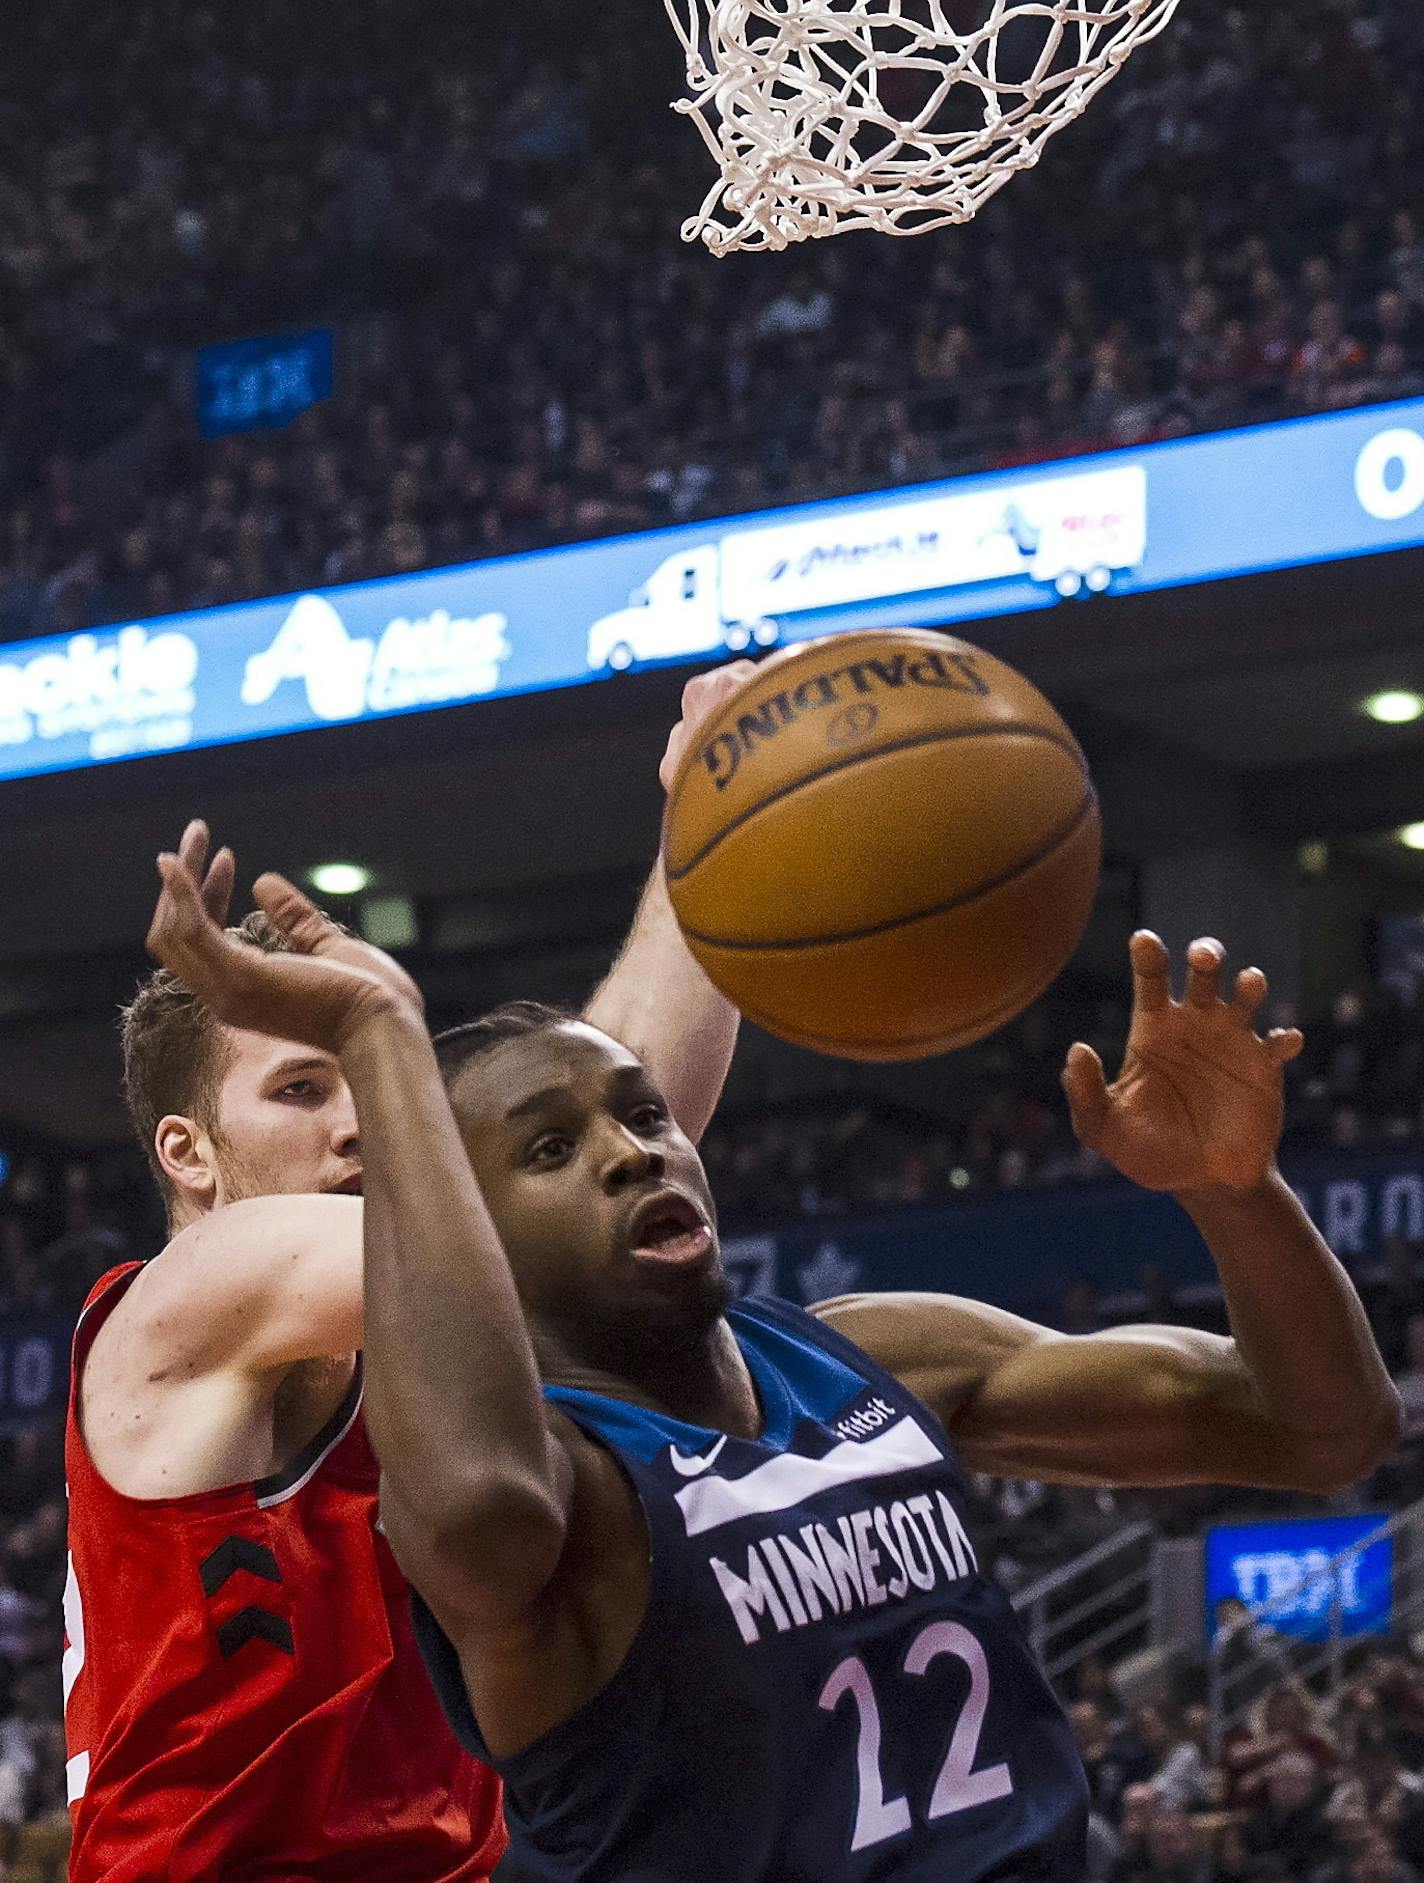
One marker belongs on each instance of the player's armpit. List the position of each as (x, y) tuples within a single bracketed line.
[(482, 1561), (1137, 1405), (254, 1286), (487, 1559), (537, 1632)]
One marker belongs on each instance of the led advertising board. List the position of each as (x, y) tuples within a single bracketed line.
[(948, 554), (1305, 1569)]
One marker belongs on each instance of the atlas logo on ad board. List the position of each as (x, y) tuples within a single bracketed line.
[(432, 660)]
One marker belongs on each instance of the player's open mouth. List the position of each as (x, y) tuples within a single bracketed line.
[(670, 1228)]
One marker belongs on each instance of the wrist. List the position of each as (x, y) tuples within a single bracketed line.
[(1216, 1198), (377, 1028)]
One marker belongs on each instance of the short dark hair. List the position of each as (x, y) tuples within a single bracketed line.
[(459, 1047), (174, 1051)]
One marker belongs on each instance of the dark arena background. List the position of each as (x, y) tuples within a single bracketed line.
[(377, 465)]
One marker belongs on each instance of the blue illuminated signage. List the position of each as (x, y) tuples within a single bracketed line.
[(1311, 490), (1306, 1570), (34, 1371), (248, 385)]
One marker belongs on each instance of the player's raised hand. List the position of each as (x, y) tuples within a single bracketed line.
[(701, 696), (1200, 1099), (321, 993)]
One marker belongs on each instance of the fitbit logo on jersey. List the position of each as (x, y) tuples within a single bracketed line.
[(869, 1418), (114, 687), (836, 688), (425, 661)]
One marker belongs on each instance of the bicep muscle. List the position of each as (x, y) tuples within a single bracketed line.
[(255, 1286)]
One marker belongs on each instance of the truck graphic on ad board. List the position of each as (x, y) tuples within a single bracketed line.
[(676, 612), (1072, 534)]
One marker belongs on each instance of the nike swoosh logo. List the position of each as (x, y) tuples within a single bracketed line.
[(686, 1467)]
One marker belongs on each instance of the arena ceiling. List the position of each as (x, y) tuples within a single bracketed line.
[(520, 829)]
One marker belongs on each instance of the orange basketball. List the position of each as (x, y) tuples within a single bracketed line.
[(884, 845)]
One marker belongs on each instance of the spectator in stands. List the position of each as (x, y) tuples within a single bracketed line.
[(1137, 1814), (1177, 1772), (1093, 1680), (1289, 1826), (1375, 1786), (1173, 1852), (1112, 1761), (1378, 1861), (1249, 1656), (1285, 1721)]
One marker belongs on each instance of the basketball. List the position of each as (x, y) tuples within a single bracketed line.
[(884, 845)]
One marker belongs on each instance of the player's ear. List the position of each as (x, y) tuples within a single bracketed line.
[(185, 1155)]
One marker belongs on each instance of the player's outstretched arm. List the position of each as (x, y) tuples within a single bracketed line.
[(1298, 1397), (478, 1480), (656, 999)]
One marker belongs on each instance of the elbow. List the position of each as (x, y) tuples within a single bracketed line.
[(1328, 1465)]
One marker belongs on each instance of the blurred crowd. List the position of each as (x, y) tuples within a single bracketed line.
[(34, 1814), (1000, 1123), (1298, 1792), (527, 354)]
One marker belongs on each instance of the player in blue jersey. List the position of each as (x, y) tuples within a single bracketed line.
[(697, 1576)]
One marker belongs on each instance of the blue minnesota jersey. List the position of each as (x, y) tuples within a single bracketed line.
[(825, 1688)]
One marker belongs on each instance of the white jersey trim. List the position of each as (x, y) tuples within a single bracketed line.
[(290, 1490), (790, 1479)]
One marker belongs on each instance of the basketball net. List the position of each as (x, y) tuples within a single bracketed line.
[(897, 115)]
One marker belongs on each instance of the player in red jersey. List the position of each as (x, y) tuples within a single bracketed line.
[(244, 1699)]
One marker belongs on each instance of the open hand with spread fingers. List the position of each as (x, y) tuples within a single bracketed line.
[(321, 993), (1199, 1102)]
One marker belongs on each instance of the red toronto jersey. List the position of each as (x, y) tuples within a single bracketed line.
[(244, 1699)]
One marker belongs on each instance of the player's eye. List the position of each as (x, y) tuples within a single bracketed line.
[(550, 1149), (300, 1088), (648, 1119)]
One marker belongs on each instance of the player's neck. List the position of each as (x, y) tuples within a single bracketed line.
[(703, 1382)]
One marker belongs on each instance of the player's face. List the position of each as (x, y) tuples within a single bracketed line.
[(600, 1201), (286, 1124)]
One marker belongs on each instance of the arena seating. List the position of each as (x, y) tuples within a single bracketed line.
[(528, 355)]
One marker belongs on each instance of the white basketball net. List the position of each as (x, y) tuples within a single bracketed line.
[(896, 115)]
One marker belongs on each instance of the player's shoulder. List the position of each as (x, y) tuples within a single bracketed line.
[(198, 1275), (101, 1290)]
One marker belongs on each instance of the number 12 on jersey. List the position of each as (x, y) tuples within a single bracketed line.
[(958, 1786)]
